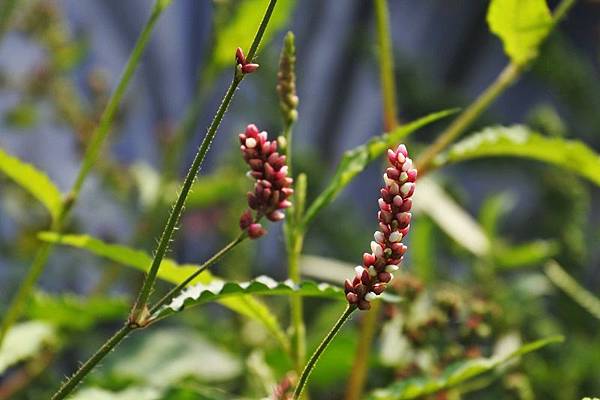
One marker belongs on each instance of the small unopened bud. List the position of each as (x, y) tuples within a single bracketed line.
[(249, 68), (246, 219), (255, 231)]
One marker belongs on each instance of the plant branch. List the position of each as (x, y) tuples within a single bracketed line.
[(217, 256), (320, 349), (505, 79), (386, 65), (90, 157), (86, 368), (139, 308)]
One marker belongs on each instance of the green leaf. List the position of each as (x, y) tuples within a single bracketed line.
[(356, 160), (263, 285), (32, 180), (455, 374), (24, 341), (574, 290), (75, 312), (520, 141), (524, 255), (240, 28), (431, 199), (172, 272), (521, 25), (131, 393)]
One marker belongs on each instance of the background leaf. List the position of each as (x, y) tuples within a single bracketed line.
[(172, 272), (520, 141), (454, 374), (25, 340), (521, 25), (32, 180)]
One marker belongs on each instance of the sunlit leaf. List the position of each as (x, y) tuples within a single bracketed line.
[(172, 272), (521, 25), (572, 288), (32, 180), (239, 30), (75, 312), (131, 393), (24, 341), (455, 374), (524, 255), (263, 286), (520, 141), (356, 160), (432, 200)]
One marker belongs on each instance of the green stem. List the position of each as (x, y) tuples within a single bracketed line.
[(138, 312), (6, 10), (85, 369), (322, 346), (173, 292), (90, 157), (507, 77), (296, 303), (386, 65)]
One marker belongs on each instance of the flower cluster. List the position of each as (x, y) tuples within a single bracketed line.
[(245, 66), (286, 81), (273, 186), (387, 250)]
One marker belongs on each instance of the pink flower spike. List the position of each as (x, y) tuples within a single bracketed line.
[(394, 224)]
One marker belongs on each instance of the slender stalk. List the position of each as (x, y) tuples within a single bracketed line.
[(356, 383), (6, 11), (320, 349), (139, 308), (386, 65), (217, 256), (85, 369), (90, 157), (505, 79), (139, 314)]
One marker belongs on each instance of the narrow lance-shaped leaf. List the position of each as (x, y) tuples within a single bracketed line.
[(172, 272), (521, 25), (32, 180), (263, 286), (356, 160), (455, 374), (520, 141)]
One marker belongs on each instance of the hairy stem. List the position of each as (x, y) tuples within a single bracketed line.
[(320, 349), (216, 257), (86, 368), (386, 65), (163, 244), (90, 157), (505, 79)]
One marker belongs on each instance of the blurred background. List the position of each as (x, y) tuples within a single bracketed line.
[(59, 61)]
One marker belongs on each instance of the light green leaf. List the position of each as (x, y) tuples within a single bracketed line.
[(431, 199), (356, 160), (524, 255), (75, 312), (24, 341), (455, 374), (172, 272), (572, 288), (263, 285), (522, 25), (239, 29), (32, 180), (520, 141), (131, 393)]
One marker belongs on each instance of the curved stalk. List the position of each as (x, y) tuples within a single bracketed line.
[(90, 157), (322, 346)]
